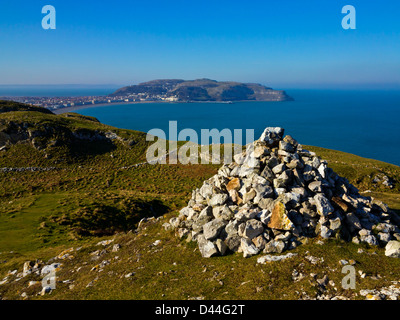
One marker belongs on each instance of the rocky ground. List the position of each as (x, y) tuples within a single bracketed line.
[(122, 263)]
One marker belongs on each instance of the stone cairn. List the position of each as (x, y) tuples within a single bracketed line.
[(274, 195)]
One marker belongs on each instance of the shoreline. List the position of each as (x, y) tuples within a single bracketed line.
[(72, 109)]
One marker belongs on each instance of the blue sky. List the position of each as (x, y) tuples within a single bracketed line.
[(286, 43)]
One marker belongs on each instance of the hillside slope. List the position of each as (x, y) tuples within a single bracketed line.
[(59, 201)]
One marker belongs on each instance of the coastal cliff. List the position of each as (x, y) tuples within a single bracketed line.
[(201, 90)]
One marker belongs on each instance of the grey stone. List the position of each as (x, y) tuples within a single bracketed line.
[(264, 191), (308, 173), (241, 228), (206, 190), (300, 191), (272, 135), (295, 163), (218, 199), (267, 173), (206, 213), (283, 180), (295, 217), (223, 212), (206, 247), (324, 206), (182, 232), (212, 229), (353, 222), (274, 246), (335, 224), (386, 227), (290, 198), (269, 258), (187, 211), (259, 242), (27, 268), (286, 146), (325, 232), (221, 246), (253, 228), (259, 151), (392, 249), (279, 168), (384, 237), (322, 170), (248, 248), (239, 158), (232, 227), (116, 247), (273, 162), (364, 232), (315, 186), (266, 203), (248, 196), (233, 242), (265, 216), (370, 239), (45, 290), (284, 236), (315, 163), (383, 206)]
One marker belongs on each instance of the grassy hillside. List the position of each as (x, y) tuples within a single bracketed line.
[(7, 106), (90, 191)]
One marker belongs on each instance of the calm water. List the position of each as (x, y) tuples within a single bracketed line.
[(366, 123)]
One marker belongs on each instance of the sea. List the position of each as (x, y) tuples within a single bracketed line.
[(361, 122)]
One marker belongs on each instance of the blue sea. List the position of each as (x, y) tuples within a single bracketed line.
[(365, 123)]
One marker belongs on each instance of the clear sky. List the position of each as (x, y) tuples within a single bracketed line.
[(285, 43)]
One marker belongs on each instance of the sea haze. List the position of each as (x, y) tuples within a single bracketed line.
[(365, 123)]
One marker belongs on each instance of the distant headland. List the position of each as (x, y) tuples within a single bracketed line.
[(201, 90)]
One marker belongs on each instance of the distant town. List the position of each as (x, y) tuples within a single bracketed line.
[(54, 103)]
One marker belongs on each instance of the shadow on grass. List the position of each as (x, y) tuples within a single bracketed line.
[(100, 219)]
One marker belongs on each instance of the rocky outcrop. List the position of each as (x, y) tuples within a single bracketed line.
[(51, 135), (203, 90), (275, 194)]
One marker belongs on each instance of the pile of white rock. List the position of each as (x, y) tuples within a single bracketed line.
[(276, 193)]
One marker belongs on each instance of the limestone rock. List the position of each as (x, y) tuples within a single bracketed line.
[(392, 249), (207, 248), (212, 229), (234, 184), (248, 248), (324, 207), (279, 219), (253, 228)]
